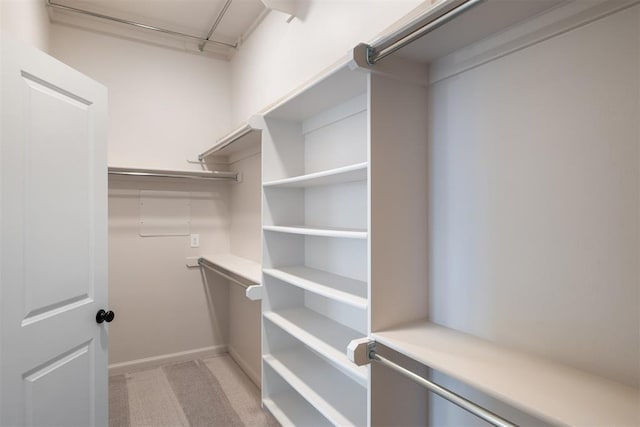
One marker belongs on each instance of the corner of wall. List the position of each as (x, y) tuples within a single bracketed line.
[(27, 20)]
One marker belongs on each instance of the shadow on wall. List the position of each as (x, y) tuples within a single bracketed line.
[(216, 289)]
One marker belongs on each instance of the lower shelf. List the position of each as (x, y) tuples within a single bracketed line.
[(552, 391), (342, 401), (292, 410), (324, 335)]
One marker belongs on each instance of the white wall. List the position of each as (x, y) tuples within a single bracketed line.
[(536, 198), (162, 307), (27, 20), (165, 105), (280, 56)]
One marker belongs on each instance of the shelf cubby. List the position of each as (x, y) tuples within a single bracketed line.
[(333, 286), (341, 205), (332, 394), (324, 336), (341, 175), (287, 406)]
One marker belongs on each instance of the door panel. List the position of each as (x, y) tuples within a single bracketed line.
[(42, 390), (59, 230), (53, 271)]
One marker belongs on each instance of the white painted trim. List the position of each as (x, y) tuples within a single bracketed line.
[(539, 29), (253, 376), (155, 361)]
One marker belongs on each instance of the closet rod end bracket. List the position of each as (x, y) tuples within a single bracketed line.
[(361, 350)]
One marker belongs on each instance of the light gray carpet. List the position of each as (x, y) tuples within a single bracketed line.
[(210, 392)]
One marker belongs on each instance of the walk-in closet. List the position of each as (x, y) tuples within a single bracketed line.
[(320, 213)]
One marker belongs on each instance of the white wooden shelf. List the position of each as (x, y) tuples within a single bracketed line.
[(249, 272), (338, 85), (489, 17), (339, 288), (351, 173), (292, 410), (237, 141), (325, 336), (243, 267), (331, 393), (557, 393), (347, 233)]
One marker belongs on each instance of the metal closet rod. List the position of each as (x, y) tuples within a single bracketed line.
[(210, 266), (145, 26), (424, 26), (239, 133), (210, 175), (447, 394)]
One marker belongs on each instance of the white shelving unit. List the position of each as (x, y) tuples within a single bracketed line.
[(315, 222), (396, 200), (540, 315), (319, 232)]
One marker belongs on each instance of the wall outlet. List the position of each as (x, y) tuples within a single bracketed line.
[(195, 240)]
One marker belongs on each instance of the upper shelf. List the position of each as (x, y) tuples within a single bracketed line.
[(336, 86), (550, 390), (481, 20), (351, 173), (235, 142)]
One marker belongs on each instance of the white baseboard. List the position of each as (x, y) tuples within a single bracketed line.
[(254, 376), (152, 362)]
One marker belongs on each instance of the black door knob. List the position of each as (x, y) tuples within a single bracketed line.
[(105, 316)]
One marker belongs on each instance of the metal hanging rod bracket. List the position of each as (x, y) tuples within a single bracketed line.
[(363, 351), (428, 23), (202, 41)]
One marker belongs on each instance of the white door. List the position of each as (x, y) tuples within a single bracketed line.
[(53, 241)]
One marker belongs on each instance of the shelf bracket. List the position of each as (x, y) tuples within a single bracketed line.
[(359, 351)]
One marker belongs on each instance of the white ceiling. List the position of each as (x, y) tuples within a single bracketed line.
[(193, 17)]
